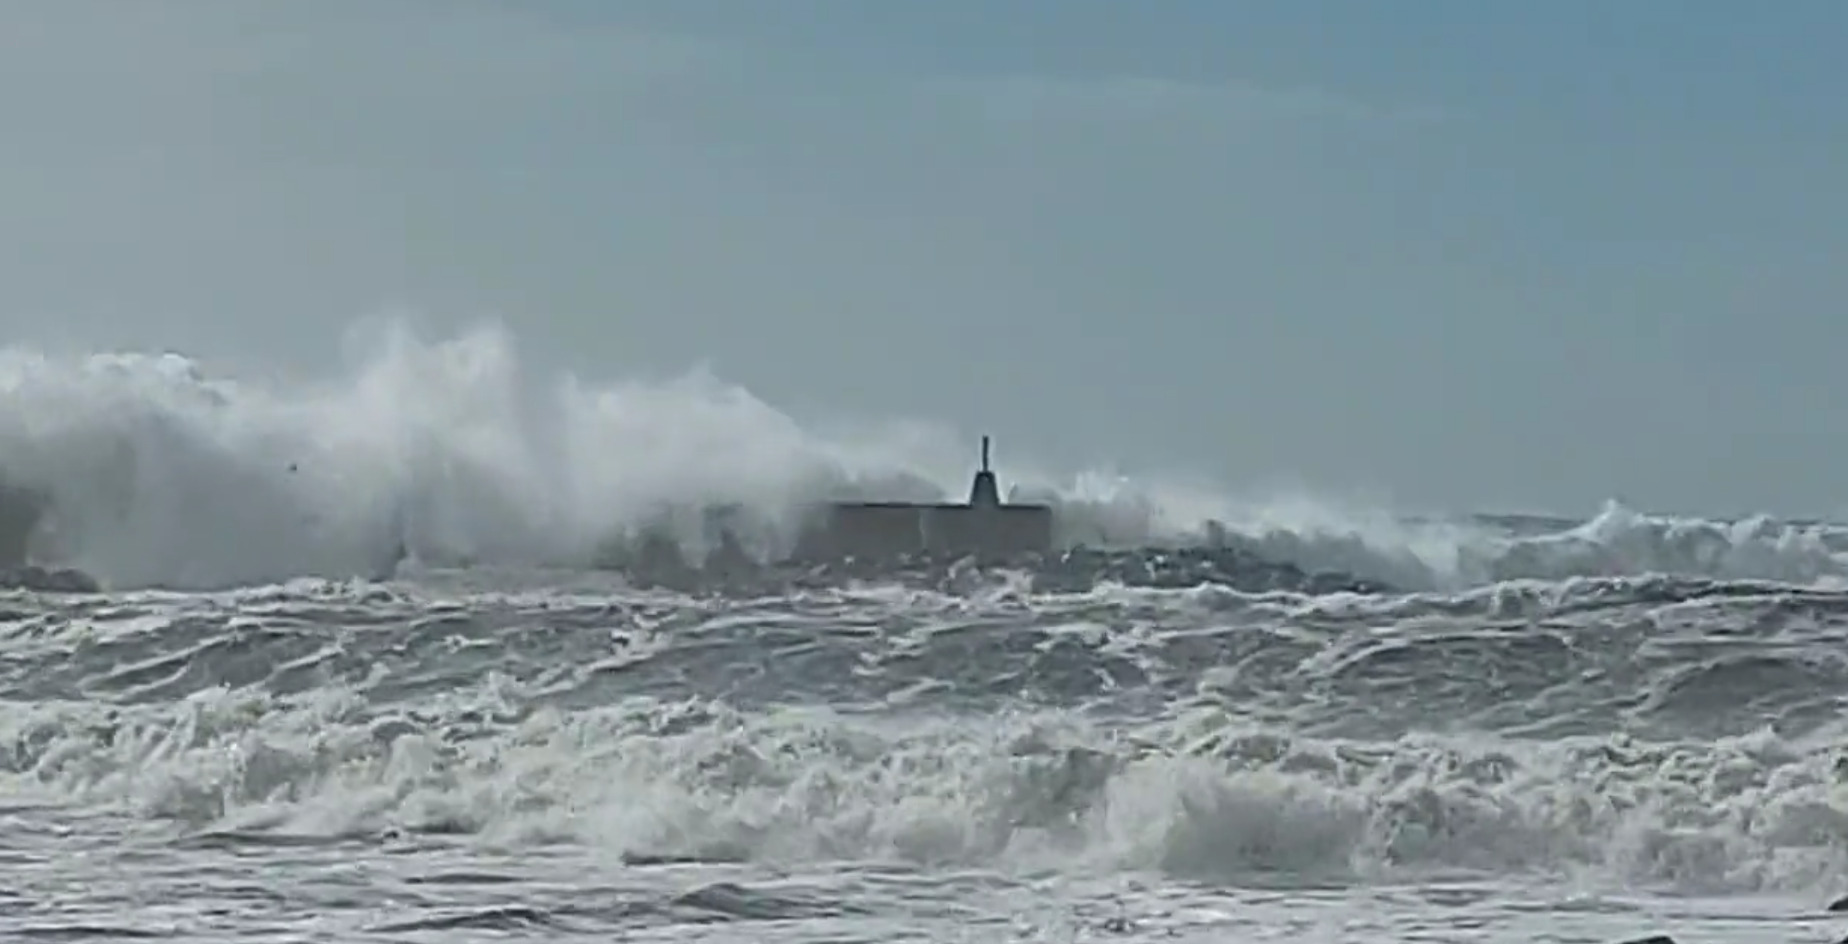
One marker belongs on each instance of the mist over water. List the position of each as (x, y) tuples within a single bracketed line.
[(1542, 724), (165, 473)]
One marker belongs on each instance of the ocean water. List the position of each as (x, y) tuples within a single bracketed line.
[(1546, 730)]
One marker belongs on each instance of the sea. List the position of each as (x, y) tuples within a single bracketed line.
[(355, 675)]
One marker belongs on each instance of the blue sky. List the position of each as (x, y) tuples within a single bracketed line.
[(1515, 256)]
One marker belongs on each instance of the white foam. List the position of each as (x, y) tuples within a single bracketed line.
[(1202, 797), (165, 474)]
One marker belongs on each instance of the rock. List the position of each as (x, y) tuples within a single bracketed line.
[(48, 579), (1118, 925), (730, 570)]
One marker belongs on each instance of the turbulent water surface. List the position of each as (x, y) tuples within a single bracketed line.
[(467, 755), (1525, 730)]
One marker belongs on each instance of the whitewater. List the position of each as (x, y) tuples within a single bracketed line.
[(356, 674)]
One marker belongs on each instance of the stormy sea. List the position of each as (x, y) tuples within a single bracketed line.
[(363, 662)]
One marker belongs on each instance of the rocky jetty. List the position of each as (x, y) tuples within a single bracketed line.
[(659, 562), (47, 579), (21, 511)]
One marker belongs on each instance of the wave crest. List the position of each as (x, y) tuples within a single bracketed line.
[(153, 471)]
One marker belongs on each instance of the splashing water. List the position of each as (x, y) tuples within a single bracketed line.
[(162, 474), (1582, 729)]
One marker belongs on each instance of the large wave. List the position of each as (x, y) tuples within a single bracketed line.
[(1654, 736), (156, 472)]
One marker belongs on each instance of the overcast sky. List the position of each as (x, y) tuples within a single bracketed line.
[(1469, 254)]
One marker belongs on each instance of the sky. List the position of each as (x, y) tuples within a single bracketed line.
[(1492, 256)]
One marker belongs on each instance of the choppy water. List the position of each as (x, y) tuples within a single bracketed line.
[(473, 756), (1519, 732)]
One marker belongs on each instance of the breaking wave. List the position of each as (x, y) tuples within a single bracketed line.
[(1652, 733), (157, 471)]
